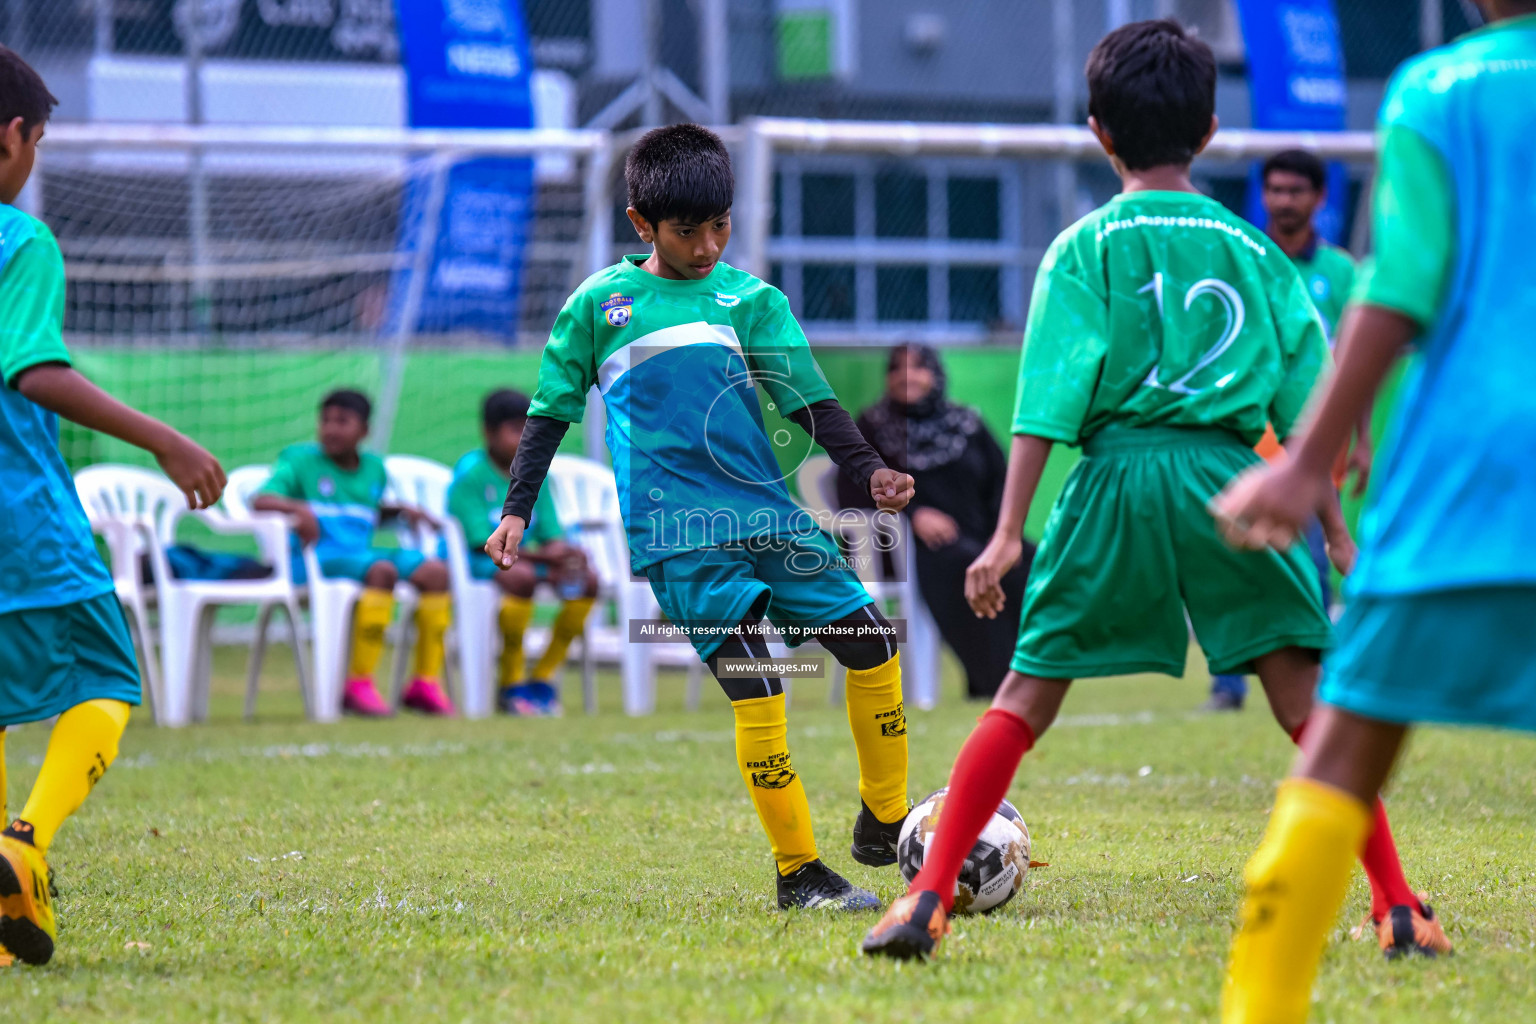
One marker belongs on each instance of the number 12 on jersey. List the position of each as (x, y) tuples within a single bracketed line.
[(1232, 305)]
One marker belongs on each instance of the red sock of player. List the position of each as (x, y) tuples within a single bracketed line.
[(1389, 887), (977, 784)]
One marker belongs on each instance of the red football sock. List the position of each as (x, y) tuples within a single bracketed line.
[(977, 784), (1389, 887)]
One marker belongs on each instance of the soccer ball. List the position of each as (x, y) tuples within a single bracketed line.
[(997, 866)]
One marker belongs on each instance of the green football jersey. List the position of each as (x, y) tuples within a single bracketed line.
[(346, 502), (1165, 308), (1329, 273), (677, 364), (476, 495)]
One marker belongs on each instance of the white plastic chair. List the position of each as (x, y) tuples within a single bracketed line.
[(870, 538), (126, 530), (147, 506), (330, 603), (586, 499)]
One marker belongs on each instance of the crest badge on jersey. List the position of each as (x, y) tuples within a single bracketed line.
[(617, 309), (1320, 287), (327, 487)]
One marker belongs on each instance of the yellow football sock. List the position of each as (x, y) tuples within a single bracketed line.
[(762, 753), (431, 624), (81, 748), (879, 726), (514, 617), (370, 618), (568, 626), (1296, 883)]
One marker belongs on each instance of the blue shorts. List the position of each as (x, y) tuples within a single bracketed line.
[(1459, 656), (354, 565), (482, 568), (52, 659), (797, 583)]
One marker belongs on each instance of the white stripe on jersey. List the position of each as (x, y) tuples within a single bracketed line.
[(647, 345)]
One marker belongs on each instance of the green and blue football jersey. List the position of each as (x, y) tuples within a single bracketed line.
[(47, 555), (678, 364), (345, 502)]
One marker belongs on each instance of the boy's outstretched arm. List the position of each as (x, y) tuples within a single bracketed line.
[(1270, 505), (536, 450), (983, 580), (62, 390), (830, 426)]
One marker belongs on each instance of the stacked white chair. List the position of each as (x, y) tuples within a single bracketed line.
[(587, 501), (143, 510), (423, 483), (867, 538)]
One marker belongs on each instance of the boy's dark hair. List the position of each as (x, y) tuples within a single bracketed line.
[(680, 172), (23, 93), (1152, 88), (503, 405), (350, 400), (1297, 161)]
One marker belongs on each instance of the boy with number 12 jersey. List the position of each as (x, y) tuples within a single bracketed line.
[(1163, 333)]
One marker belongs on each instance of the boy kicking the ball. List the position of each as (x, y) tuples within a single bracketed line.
[(64, 646), (675, 340), (1438, 627), (1163, 332)]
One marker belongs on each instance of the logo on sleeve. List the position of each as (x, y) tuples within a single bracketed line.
[(616, 310)]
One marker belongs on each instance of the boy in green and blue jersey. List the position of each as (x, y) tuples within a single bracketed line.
[(64, 645), (1438, 626), (334, 490), (677, 343)]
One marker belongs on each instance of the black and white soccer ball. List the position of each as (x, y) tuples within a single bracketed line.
[(997, 866)]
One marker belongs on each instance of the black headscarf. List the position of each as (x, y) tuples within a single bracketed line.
[(931, 432)]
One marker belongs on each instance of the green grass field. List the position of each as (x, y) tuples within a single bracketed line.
[(611, 868)]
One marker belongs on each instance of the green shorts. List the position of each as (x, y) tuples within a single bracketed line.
[(797, 583), (1129, 547), (52, 659)]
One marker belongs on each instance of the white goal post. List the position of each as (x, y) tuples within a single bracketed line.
[(763, 138)]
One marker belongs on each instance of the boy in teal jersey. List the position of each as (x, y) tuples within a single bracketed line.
[(1164, 333), (1438, 627), (64, 646), (334, 491), (1294, 190), (474, 499), (676, 341)]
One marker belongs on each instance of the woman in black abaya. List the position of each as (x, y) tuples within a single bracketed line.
[(959, 470)]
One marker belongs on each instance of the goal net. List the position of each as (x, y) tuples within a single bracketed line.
[(225, 278)]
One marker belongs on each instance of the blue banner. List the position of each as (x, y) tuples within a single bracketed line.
[(1296, 81), (467, 65)]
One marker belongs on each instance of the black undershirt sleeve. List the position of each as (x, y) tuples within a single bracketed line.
[(541, 437), (830, 426)]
